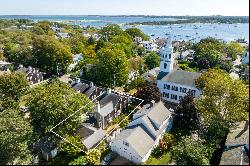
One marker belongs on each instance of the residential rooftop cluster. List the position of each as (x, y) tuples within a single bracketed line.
[(85, 95)]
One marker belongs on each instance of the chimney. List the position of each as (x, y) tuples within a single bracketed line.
[(152, 103), (91, 84), (29, 68), (108, 91), (78, 80), (98, 107)]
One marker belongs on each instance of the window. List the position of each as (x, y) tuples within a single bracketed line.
[(166, 86), (183, 90), (175, 88), (165, 65), (174, 97), (169, 56), (165, 95)]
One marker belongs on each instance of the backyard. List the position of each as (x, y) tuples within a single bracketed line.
[(163, 160)]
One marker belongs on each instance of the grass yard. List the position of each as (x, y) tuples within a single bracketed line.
[(163, 160)]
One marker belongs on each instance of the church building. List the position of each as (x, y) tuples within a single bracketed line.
[(174, 84)]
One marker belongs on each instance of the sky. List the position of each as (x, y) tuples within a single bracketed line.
[(125, 7)]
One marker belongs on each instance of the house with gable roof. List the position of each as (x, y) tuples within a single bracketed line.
[(137, 141)]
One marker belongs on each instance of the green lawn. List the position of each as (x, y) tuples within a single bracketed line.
[(163, 160)]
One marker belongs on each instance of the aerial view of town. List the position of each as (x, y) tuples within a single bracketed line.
[(128, 82)]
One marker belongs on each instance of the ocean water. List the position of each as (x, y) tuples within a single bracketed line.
[(192, 32)]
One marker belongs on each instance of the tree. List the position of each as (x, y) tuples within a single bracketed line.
[(227, 66), (51, 55), (89, 51), (191, 152), (79, 161), (186, 118), (54, 101), (13, 85), (224, 98), (94, 156), (110, 30), (148, 93), (208, 53), (136, 32), (70, 149), (233, 49), (19, 54), (152, 60), (112, 69), (15, 137)]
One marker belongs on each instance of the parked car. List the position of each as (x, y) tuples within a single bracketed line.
[(106, 159)]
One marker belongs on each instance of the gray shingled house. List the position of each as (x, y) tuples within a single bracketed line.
[(33, 75), (142, 135), (109, 106)]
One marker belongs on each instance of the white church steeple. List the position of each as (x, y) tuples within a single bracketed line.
[(167, 56)]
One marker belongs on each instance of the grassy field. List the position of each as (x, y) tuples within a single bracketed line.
[(163, 160)]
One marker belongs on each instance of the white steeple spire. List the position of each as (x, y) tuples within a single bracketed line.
[(167, 56)]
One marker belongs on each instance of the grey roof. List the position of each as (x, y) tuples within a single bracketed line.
[(181, 77), (142, 136), (161, 75), (106, 109), (109, 97), (94, 138), (153, 118), (85, 130), (154, 71), (90, 91), (80, 87), (46, 143), (90, 135), (138, 139), (108, 103)]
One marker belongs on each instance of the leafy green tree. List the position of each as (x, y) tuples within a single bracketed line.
[(208, 53), (70, 149), (112, 69), (19, 54), (191, 152), (224, 98), (15, 137), (13, 85), (94, 157), (79, 161), (186, 118), (152, 60), (233, 49), (110, 30), (227, 66), (89, 51), (148, 93), (43, 28), (91, 41), (136, 32), (77, 43), (51, 55), (54, 101)]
